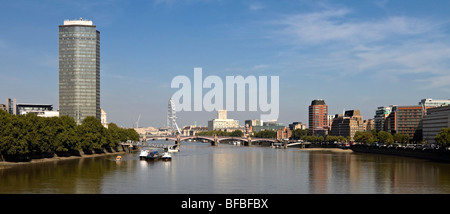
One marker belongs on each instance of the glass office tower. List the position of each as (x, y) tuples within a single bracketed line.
[(79, 70)]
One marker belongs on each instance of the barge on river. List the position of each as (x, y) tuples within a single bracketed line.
[(155, 154)]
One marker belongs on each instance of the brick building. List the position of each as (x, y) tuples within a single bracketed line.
[(318, 116)]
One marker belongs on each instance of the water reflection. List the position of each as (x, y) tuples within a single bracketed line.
[(380, 174), (201, 168)]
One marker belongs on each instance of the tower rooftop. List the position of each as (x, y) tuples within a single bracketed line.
[(78, 22), (318, 102)]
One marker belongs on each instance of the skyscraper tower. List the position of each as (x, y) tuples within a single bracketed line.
[(79, 70), (318, 116)]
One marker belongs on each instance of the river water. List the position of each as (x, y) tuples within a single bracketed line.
[(202, 168)]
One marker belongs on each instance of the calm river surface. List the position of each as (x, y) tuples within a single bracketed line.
[(201, 168)]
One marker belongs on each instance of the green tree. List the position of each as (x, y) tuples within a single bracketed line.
[(132, 135), (237, 133), (92, 134), (113, 135), (358, 136), (385, 137), (397, 137), (405, 139), (368, 138), (67, 138), (401, 138), (13, 142), (331, 138), (443, 138), (298, 133), (374, 135), (313, 138), (266, 134)]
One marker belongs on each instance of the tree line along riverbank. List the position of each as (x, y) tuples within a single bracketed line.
[(27, 137)]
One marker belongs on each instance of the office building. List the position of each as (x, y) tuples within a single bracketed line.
[(223, 123), (79, 69), (11, 106), (43, 110), (251, 123), (284, 133), (381, 114), (369, 125), (192, 130), (435, 120), (407, 120), (428, 102), (269, 125), (297, 125), (222, 114), (330, 119), (390, 124), (348, 124), (318, 116)]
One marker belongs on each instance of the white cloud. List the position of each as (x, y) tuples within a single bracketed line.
[(319, 28), (256, 6), (408, 57), (333, 42), (441, 82)]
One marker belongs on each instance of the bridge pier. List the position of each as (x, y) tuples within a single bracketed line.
[(215, 142), (178, 141), (249, 141)]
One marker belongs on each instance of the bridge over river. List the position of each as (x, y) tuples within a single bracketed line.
[(215, 140)]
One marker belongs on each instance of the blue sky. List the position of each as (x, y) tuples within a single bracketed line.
[(353, 54)]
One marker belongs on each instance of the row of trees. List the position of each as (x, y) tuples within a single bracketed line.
[(265, 134), (236, 133), (382, 137), (30, 135)]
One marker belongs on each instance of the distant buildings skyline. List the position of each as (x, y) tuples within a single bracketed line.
[(79, 92), (421, 123)]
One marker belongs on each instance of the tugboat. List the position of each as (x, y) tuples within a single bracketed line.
[(154, 154)]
